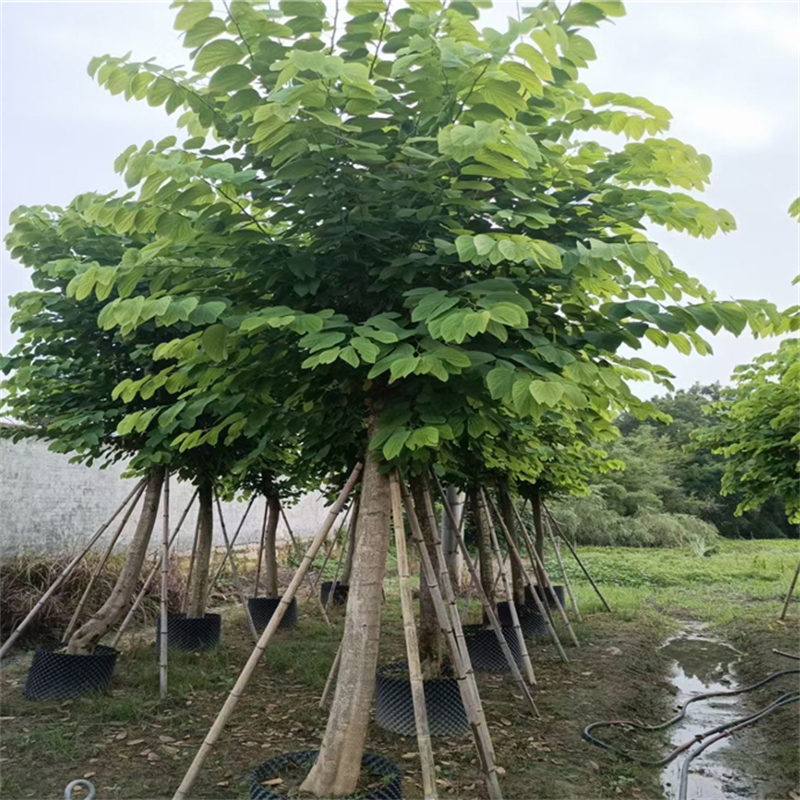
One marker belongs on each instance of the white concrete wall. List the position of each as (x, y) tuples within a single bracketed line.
[(48, 504)]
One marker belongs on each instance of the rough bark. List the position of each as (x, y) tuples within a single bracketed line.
[(352, 532), (507, 510), (429, 636), (271, 588), (538, 526), (102, 621), (484, 546), (338, 767), (452, 553), (198, 589)]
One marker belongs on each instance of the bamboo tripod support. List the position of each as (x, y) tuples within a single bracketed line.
[(17, 632), (162, 654), (412, 647), (454, 635), (185, 601), (330, 550), (548, 584), (340, 559), (789, 594), (310, 583), (557, 552), (537, 601), (575, 556), (237, 580), (151, 575), (488, 609), (262, 542), (99, 568), (331, 677), (244, 677), (512, 606)]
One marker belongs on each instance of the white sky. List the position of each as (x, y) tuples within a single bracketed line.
[(729, 72)]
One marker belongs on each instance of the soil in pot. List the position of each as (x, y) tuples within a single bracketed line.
[(394, 707), (485, 651), (381, 779), (262, 608), (56, 675), (340, 592), (191, 633)]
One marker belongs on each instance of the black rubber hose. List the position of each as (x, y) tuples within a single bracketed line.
[(587, 731)]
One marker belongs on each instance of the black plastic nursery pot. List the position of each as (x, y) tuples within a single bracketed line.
[(485, 651), (394, 707), (385, 772), (546, 595), (530, 620), (60, 676), (191, 633), (262, 608), (340, 591)]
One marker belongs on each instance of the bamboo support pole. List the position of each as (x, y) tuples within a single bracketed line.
[(310, 583), (228, 550), (567, 585), (330, 550), (331, 677), (244, 677), (185, 601), (162, 654), (575, 556), (412, 647), (789, 594), (342, 552), (17, 632), (261, 544), (146, 585), (489, 610), (99, 568), (548, 584), (512, 606), (237, 581)]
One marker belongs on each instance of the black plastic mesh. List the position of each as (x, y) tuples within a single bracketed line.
[(262, 608), (546, 595), (530, 620), (59, 676), (485, 651), (340, 592), (385, 771), (394, 707), (190, 633)]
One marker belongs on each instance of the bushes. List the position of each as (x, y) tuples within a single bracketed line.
[(24, 579)]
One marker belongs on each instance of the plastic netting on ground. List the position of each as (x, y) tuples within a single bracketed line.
[(530, 620), (191, 633), (485, 651), (394, 707), (262, 608), (386, 773), (59, 676)]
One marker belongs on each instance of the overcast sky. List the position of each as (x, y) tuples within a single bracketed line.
[(729, 72)]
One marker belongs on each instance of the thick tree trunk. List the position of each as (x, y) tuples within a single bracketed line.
[(198, 589), (271, 548), (538, 525), (429, 635), (352, 532), (484, 546), (102, 621), (338, 766), (507, 510), (452, 552)]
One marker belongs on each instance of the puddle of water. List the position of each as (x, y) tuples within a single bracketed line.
[(701, 664)]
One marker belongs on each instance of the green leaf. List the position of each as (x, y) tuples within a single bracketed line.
[(395, 443), (548, 393), (230, 78), (499, 381), (191, 13), (219, 53), (214, 341)]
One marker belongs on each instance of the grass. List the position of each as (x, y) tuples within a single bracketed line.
[(137, 747)]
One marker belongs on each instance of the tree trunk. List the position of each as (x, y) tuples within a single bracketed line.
[(429, 634), (196, 608), (507, 510), (102, 621), (338, 767), (536, 507), (452, 553), (484, 546), (271, 588), (352, 532)]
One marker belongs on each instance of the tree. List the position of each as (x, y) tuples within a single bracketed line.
[(754, 427), (411, 204)]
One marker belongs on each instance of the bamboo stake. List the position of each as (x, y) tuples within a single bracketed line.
[(329, 552), (790, 592), (345, 543), (103, 561), (567, 585), (261, 544), (548, 584), (143, 591), (162, 655), (331, 677), (488, 609), (540, 607), (185, 602), (17, 632), (412, 648), (575, 556), (241, 682), (310, 583), (512, 606), (237, 582), (228, 550)]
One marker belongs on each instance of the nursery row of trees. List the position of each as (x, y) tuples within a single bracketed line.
[(386, 237)]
